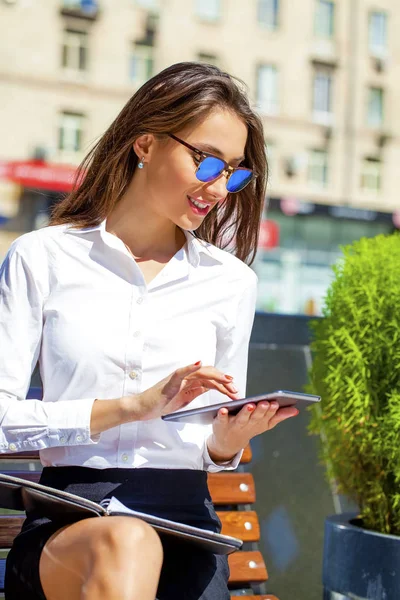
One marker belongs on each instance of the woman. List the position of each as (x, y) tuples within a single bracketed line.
[(133, 311)]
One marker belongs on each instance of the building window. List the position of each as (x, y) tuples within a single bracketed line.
[(318, 168), (268, 13), (377, 34), (85, 5), (324, 18), (74, 4), (267, 88), (375, 107), (209, 10), (141, 66), (209, 59), (322, 96), (75, 50), (371, 174), (148, 4), (71, 132)]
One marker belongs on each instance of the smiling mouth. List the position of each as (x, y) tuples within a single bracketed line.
[(199, 208)]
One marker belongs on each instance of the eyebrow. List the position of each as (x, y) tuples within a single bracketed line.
[(214, 150)]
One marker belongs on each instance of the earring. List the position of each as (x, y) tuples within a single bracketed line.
[(141, 164)]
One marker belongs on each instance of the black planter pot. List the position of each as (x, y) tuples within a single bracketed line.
[(359, 564)]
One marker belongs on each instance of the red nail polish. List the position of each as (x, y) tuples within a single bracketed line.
[(250, 407), (196, 364)]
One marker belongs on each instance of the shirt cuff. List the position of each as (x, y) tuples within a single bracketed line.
[(69, 422), (213, 467)]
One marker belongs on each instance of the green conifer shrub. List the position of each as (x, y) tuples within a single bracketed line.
[(356, 370)]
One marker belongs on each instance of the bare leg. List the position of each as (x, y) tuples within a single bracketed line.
[(112, 558)]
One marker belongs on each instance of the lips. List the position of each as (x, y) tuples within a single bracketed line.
[(197, 209)]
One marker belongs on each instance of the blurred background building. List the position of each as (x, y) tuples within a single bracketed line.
[(323, 74)]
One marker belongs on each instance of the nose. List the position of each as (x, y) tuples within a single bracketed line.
[(217, 188)]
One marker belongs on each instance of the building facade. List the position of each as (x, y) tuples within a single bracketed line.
[(323, 74)]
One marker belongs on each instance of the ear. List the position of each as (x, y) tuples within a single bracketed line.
[(143, 146)]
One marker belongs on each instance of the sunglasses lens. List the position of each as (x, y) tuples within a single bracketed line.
[(210, 168), (238, 180)]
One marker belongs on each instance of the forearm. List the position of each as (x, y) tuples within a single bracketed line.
[(110, 413)]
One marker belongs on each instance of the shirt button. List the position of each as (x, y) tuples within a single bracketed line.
[(133, 374), (78, 438), (124, 457), (63, 439), (136, 333), (12, 447), (139, 300)]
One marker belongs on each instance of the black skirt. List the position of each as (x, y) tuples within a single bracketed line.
[(182, 495)]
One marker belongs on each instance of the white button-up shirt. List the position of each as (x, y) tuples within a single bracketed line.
[(77, 302)]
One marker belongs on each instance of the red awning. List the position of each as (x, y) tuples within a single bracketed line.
[(269, 235), (37, 174)]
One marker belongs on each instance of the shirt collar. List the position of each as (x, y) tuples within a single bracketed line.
[(195, 246)]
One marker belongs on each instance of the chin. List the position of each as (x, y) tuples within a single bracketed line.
[(188, 224)]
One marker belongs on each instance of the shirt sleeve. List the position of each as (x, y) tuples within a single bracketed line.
[(232, 358), (30, 424)]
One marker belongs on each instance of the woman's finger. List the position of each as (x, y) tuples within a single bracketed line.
[(223, 416), (282, 414), (262, 410), (243, 416), (173, 383), (232, 388), (184, 398), (183, 372), (224, 389), (210, 373)]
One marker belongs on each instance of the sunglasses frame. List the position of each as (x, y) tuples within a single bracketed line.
[(228, 169)]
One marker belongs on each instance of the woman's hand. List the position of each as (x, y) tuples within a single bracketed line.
[(232, 433), (176, 391)]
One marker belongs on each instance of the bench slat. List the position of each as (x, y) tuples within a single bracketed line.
[(247, 455), (10, 526), (16, 456), (247, 567), (241, 524), (232, 488)]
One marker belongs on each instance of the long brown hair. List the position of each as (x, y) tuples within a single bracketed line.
[(180, 95)]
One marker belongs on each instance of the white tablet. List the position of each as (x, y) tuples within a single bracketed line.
[(205, 415)]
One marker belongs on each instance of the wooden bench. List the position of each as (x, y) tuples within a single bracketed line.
[(233, 493)]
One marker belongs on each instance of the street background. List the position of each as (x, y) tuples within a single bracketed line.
[(325, 78)]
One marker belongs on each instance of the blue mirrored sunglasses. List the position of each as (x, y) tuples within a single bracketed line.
[(211, 167)]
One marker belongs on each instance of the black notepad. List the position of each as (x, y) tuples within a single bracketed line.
[(19, 494)]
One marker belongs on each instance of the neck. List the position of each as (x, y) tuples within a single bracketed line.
[(147, 235)]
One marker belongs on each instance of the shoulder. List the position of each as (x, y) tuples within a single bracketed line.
[(232, 267), (37, 239), (35, 249)]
